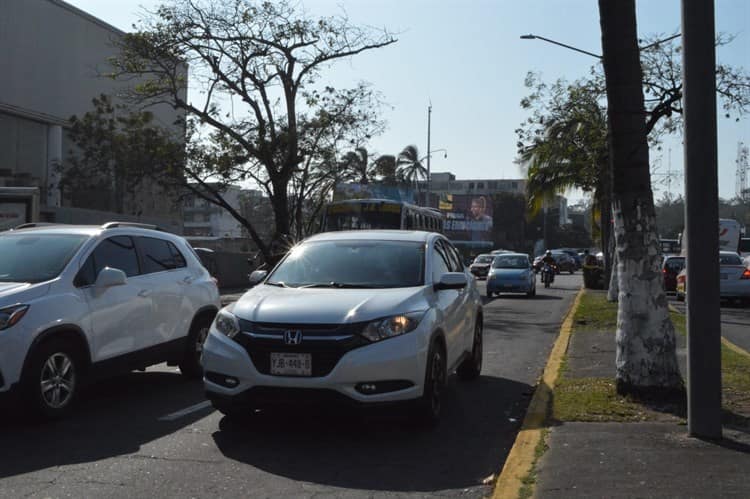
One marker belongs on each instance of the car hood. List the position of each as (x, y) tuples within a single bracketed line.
[(327, 306), (21, 292)]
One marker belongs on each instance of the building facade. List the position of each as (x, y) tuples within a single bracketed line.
[(53, 63)]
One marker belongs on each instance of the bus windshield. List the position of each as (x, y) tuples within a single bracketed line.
[(356, 216)]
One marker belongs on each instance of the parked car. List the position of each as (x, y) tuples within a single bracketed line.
[(734, 278), (324, 326), (671, 266), (511, 273), (480, 267), (573, 254), (80, 301), (564, 262)]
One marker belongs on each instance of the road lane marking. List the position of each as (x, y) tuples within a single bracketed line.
[(188, 410)]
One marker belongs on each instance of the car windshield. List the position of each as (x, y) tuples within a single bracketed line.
[(730, 260), (36, 257), (352, 264), (484, 259), (510, 262)]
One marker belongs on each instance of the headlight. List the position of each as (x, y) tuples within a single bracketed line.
[(227, 324), (10, 316), (397, 325)]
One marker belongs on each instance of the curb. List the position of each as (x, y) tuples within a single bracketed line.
[(521, 455), (735, 348)]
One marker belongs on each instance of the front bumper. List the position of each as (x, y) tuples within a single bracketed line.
[(399, 361)]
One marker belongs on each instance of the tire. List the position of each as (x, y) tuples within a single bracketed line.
[(428, 407), (52, 380), (572, 270), (489, 294), (471, 367), (190, 364), (546, 284), (531, 293)]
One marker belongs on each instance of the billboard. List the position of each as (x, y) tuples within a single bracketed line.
[(467, 217), (374, 191)]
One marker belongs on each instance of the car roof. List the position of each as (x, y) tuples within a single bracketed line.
[(89, 230), (514, 254), (373, 235)]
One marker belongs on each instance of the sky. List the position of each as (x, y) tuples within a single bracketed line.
[(466, 58)]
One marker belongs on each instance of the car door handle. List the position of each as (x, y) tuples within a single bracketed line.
[(188, 279), (144, 293)]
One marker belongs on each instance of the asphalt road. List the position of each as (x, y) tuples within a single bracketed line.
[(735, 322), (151, 434)]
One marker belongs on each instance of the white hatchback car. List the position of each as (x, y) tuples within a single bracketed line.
[(79, 301), (368, 317)]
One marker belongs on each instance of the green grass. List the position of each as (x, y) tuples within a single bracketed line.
[(595, 399), (528, 482), (595, 313)]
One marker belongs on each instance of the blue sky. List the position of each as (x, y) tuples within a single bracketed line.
[(467, 59)]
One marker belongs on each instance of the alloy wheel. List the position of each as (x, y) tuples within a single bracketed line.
[(58, 380)]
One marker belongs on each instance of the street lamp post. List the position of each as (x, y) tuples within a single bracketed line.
[(429, 116)]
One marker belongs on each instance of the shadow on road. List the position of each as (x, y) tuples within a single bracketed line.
[(381, 451), (113, 417)]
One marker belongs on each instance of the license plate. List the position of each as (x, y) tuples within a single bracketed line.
[(723, 276), (291, 364)]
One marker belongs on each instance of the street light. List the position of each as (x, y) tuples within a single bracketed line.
[(537, 37)]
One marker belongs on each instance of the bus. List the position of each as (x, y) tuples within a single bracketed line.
[(362, 214)]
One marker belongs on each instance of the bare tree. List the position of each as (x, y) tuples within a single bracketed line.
[(256, 65)]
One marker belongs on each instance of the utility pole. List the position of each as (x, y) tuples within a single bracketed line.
[(429, 116), (701, 219)]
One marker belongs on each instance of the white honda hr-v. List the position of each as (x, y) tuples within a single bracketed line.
[(364, 317)]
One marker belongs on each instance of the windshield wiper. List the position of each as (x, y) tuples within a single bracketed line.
[(338, 285), (280, 284)]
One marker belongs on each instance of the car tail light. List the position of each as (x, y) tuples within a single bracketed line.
[(745, 274)]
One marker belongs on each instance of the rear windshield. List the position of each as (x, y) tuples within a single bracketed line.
[(510, 262), (484, 259), (36, 257), (730, 260)]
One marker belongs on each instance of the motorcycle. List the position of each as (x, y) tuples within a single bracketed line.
[(548, 274)]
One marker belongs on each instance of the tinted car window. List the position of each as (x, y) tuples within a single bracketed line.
[(179, 260), (511, 262), (439, 264), (157, 255), (730, 260), (118, 253)]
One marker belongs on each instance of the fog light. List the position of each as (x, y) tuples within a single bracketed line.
[(222, 379)]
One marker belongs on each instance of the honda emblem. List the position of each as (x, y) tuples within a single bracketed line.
[(293, 337)]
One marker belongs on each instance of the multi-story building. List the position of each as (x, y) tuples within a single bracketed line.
[(53, 63), (209, 225)]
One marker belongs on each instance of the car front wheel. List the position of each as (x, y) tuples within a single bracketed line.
[(53, 378), (190, 365), (429, 406)]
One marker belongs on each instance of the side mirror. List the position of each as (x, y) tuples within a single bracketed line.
[(109, 277), (451, 280), (257, 276)]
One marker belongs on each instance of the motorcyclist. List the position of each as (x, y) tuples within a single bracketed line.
[(549, 260)]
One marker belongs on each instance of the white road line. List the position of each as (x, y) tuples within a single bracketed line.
[(184, 412)]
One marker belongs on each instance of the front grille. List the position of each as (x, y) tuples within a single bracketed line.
[(261, 339)]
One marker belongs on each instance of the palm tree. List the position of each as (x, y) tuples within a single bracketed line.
[(410, 166), (646, 356), (356, 163), (385, 168)]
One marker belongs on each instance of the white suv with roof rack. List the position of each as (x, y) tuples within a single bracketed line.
[(81, 301)]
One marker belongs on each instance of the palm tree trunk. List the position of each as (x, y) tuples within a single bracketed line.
[(646, 357)]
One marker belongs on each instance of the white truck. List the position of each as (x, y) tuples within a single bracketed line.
[(729, 236)]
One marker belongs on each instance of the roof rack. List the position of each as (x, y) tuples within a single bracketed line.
[(32, 225), (114, 225)]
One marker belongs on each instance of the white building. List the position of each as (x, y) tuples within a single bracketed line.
[(52, 63)]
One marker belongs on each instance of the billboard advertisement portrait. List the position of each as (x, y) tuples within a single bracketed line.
[(467, 217)]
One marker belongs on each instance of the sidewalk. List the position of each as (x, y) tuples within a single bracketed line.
[(601, 445)]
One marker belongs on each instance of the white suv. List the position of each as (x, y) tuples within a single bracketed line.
[(79, 301), (367, 317)]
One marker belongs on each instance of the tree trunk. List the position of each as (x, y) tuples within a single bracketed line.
[(646, 357)]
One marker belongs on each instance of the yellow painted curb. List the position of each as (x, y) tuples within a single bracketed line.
[(724, 341), (521, 456), (734, 348)]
